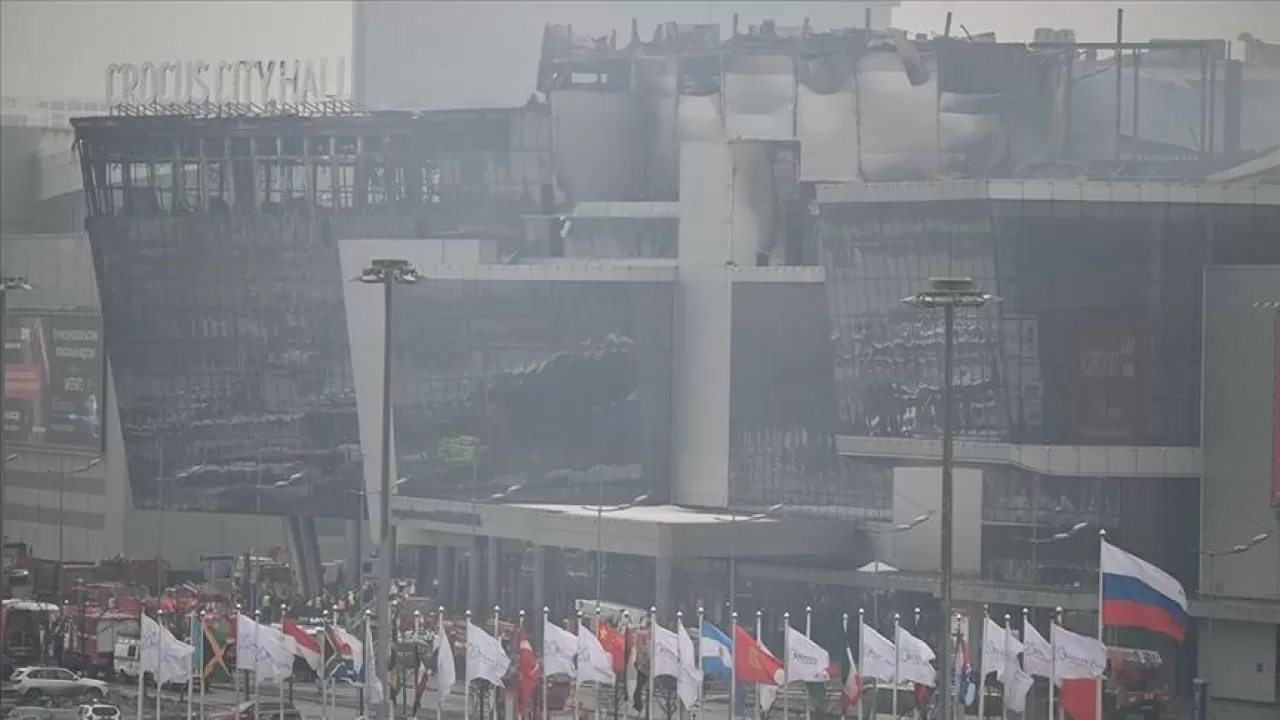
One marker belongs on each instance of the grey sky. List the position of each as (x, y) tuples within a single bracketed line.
[(57, 48)]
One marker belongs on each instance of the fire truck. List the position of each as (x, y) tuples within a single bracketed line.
[(1136, 686)]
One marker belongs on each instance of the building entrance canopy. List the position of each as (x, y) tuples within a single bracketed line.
[(649, 531)]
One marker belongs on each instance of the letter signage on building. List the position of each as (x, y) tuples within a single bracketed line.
[(259, 82)]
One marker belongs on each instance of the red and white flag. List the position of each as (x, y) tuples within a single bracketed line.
[(307, 647), (851, 692)]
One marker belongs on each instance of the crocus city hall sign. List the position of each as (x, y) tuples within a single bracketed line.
[(237, 81)]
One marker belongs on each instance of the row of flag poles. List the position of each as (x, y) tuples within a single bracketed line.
[(1132, 593)]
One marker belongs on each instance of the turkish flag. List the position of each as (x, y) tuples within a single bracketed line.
[(1080, 699), (530, 673), (615, 644), (752, 662)]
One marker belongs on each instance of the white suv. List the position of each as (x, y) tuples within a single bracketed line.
[(35, 683)]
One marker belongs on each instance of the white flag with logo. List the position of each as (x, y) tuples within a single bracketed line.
[(446, 665), (877, 655), (998, 645), (1016, 686), (1037, 655), (807, 661), (666, 649), (1076, 657), (690, 678), (914, 658), (162, 654), (559, 649), (595, 664), (486, 660), (263, 650)]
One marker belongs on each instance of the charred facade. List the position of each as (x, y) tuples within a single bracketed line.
[(215, 240)]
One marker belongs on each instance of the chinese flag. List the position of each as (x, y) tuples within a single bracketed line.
[(530, 674), (615, 644), (1080, 699), (753, 663)]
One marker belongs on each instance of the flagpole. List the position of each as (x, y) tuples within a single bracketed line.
[(257, 643), (1102, 544), (417, 656), (786, 664), (546, 711), (701, 616), (982, 659), (577, 681), (191, 668), (733, 663), (159, 655), (653, 660), (203, 681), (759, 709), (679, 663), (324, 666), (1026, 615), (142, 688), (808, 629), (466, 680), (596, 630), (897, 659), (844, 625), (1004, 698), (497, 635), (1057, 612), (862, 663), (443, 644)]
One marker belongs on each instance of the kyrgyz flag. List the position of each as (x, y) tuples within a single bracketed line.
[(530, 674), (752, 663)]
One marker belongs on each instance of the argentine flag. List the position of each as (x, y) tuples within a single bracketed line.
[(717, 651)]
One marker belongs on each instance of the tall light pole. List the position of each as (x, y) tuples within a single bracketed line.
[(733, 521), (947, 293), (912, 524), (62, 475), (7, 283), (1209, 556), (388, 274), (601, 510)]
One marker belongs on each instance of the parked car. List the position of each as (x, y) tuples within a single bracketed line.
[(35, 683), (262, 710), (98, 711)]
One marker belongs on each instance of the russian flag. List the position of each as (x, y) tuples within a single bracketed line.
[(716, 650), (1136, 593)]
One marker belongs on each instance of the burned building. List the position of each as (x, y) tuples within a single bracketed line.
[(679, 275)]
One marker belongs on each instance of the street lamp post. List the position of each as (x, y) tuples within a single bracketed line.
[(912, 524), (947, 293), (388, 274), (768, 512), (1210, 555), (62, 475), (6, 284), (601, 510)]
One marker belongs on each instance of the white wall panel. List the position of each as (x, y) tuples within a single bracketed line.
[(899, 137), (759, 97), (594, 137), (827, 124), (918, 490)]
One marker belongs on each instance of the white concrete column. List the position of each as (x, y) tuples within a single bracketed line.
[(539, 579), (662, 586), (474, 601), (493, 564)]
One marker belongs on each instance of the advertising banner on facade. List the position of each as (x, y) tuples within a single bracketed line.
[(53, 380)]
